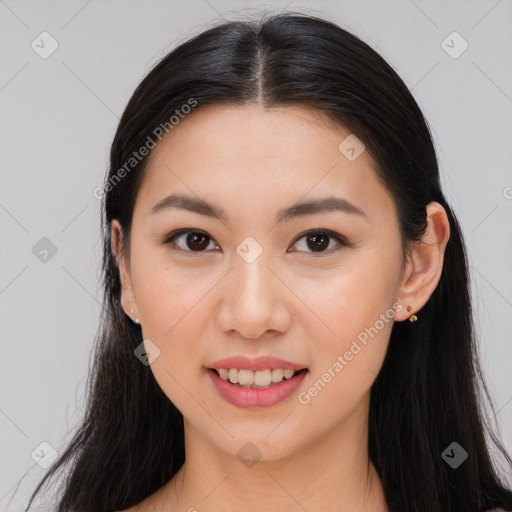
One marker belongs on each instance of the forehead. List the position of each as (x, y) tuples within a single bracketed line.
[(249, 155)]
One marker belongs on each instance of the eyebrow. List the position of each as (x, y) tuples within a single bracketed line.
[(202, 207)]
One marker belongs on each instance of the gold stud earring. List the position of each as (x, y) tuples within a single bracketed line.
[(412, 318)]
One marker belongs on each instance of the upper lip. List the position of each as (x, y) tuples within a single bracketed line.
[(257, 363)]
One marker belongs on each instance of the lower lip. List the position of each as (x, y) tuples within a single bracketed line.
[(249, 398)]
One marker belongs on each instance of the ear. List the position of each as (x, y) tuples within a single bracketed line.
[(127, 296), (424, 263)]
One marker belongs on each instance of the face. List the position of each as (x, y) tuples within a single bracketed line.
[(315, 287)]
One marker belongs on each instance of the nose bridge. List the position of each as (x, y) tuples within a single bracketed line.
[(252, 299), (253, 278)]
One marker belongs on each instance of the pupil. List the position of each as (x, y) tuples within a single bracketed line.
[(192, 240), (320, 241)]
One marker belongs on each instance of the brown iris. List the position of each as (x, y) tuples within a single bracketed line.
[(197, 241), (320, 241)]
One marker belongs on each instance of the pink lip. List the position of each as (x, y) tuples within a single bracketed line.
[(259, 363), (249, 398)]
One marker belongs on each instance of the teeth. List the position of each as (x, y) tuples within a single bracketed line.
[(277, 375), (262, 378), (233, 376), (288, 374), (256, 379), (245, 377)]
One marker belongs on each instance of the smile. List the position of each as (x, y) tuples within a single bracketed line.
[(250, 395), (260, 379)]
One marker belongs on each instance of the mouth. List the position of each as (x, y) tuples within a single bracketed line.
[(258, 382), (252, 389), (259, 379)]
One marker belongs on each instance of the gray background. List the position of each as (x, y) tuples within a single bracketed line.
[(58, 118)]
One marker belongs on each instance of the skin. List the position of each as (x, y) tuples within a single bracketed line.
[(291, 302)]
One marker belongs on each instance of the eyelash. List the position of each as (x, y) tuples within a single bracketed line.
[(339, 238)]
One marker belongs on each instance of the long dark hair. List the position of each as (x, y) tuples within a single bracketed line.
[(430, 391)]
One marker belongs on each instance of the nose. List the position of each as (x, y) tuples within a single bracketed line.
[(254, 301)]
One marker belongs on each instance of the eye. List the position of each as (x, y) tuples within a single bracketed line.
[(319, 240), (193, 240), (197, 241)]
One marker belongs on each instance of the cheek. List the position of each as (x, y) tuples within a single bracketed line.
[(345, 365), (171, 304), (167, 295), (172, 321), (350, 344), (352, 299), (172, 318)]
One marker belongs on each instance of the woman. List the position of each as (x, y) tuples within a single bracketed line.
[(287, 321)]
